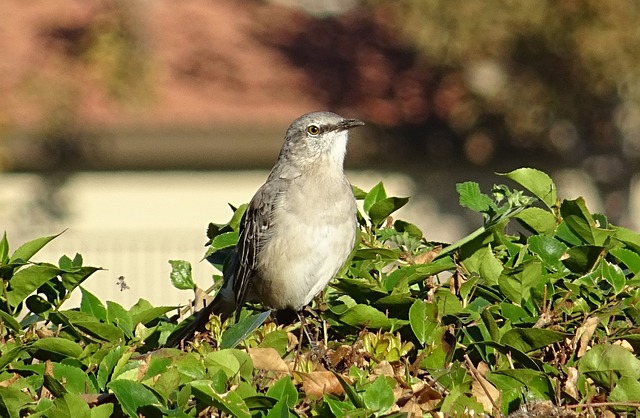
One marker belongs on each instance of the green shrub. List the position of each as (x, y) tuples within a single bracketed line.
[(538, 308)]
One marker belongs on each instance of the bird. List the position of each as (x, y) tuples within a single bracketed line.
[(299, 228)]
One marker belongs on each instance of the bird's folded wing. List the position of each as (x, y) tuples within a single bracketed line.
[(254, 229)]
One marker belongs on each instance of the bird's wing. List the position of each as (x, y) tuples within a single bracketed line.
[(255, 225)]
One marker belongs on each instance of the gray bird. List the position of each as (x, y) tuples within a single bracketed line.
[(299, 227)]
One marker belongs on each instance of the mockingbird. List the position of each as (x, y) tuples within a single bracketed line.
[(299, 227)]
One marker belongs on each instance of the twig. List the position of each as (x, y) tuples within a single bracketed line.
[(476, 374), (601, 404)]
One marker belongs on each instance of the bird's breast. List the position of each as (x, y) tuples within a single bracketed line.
[(313, 233)]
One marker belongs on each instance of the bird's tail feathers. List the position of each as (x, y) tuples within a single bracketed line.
[(197, 322)]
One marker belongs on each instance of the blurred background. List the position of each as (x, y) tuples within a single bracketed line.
[(132, 123)]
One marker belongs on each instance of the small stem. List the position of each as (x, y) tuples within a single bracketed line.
[(475, 234)]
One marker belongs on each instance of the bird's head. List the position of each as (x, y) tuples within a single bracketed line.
[(317, 137)]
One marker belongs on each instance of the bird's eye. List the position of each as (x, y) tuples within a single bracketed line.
[(313, 130)]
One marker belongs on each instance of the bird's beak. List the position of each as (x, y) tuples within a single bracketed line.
[(348, 124)]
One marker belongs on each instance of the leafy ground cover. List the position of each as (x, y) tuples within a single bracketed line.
[(536, 312)]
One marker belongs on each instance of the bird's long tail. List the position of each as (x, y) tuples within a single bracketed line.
[(197, 322)]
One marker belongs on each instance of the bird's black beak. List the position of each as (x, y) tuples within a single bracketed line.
[(348, 124)]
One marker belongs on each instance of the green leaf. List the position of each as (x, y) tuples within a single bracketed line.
[(102, 411), (368, 316), (423, 318), (75, 379), (358, 193), (517, 287), (530, 339), (53, 385), (606, 363), (577, 217), (119, 316), (279, 410), (537, 182), (234, 222), (541, 221), (549, 250), (381, 209), (378, 396), (105, 332), (12, 401), (614, 276), (484, 262), (69, 406), (37, 304), (27, 280), (630, 258), (9, 321), (284, 390), (409, 228), (132, 395), (630, 238), (91, 305), (353, 396), (231, 403), (107, 365), (191, 367), (145, 316), (374, 253), (73, 279), (245, 362), (65, 263), (582, 258), (234, 335), (9, 356), (29, 249), (471, 197), (181, 275), (225, 240), (59, 345), (338, 408), (626, 390), (490, 323), (223, 360), (278, 340), (533, 381), (376, 194), (4, 250)]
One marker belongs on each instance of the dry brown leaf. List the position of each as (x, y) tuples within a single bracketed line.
[(411, 408), (201, 299), (292, 341), (10, 381), (624, 344), (483, 368), (317, 384), (571, 385), (584, 333), (268, 359), (484, 392), (427, 398), (341, 353), (427, 257), (92, 399), (383, 368), (144, 366)]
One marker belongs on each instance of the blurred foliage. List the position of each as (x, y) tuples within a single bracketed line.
[(562, 76), (563, 73), (97, 55), (549, 83), (105, 47)]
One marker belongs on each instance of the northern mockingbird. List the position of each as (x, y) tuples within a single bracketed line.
[(299, 227)]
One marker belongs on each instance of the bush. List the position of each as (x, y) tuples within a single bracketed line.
[(537, 310)]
